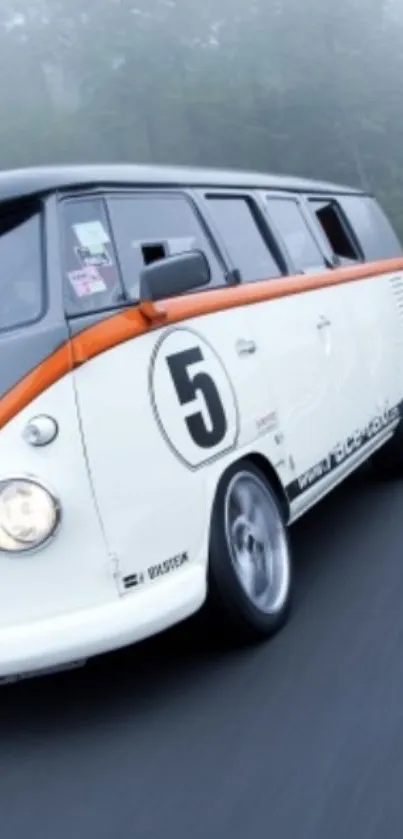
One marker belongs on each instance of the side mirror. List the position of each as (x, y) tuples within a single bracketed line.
[(173, 276)]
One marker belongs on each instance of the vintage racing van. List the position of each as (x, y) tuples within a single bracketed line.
[(190, 360)]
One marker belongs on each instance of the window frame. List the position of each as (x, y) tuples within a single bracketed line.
[(15, 206), (298, 200), (375, 209), (78, 197), (335, 259), (273, 242), (158, 192), (101, 192)]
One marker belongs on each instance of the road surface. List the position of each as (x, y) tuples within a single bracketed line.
[(301, 738)]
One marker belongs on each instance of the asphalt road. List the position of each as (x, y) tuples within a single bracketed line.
[(301, 738)]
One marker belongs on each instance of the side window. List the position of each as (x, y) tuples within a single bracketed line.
[(150, 227), (336, 230), (238, 225), (298, 239), (375, 234), (90, 272), (22, 281)]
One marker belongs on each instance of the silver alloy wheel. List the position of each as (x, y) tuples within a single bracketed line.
[(257, 542)]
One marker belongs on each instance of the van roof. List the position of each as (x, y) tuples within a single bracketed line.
[(40, 180)]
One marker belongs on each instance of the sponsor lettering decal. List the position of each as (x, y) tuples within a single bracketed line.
[(343, 450), (158, 570), (167, 566), (133, 580)]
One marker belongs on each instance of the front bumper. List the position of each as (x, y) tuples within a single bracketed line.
[(58, 641)]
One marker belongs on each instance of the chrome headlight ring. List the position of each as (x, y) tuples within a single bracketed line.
[(30, 515)]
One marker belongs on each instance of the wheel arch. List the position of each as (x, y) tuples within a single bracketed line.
[(271, 475), (241, 618), (268, 470)]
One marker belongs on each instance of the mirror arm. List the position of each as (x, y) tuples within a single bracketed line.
[(153, 312)]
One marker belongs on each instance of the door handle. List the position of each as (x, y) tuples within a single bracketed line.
[(323, 322), (244, 347)]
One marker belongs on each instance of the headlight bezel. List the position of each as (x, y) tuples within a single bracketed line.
[(22, 549)]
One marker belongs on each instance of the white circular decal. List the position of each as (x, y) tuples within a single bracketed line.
[(193, 398)]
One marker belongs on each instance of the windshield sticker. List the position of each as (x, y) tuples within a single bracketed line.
[(86, 281), (91, 234), (98, 256)]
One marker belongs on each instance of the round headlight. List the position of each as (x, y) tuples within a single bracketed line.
[(28, 515)]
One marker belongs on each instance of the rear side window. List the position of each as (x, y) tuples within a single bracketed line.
[(91, 275), (374, 232), (298, 238), (336, 230), (149, 227), (22, 272), (238, 225)]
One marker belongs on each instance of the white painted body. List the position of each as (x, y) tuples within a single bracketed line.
[(131, 499)]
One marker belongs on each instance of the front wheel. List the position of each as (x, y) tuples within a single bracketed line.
[(250, 571)]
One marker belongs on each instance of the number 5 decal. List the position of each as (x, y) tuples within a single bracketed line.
[(187, 387), (193, 398)]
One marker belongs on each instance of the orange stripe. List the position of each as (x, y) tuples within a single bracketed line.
[(34, 383), (132, 323)]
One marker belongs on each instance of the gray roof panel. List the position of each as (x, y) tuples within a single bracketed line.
[(20, 183)]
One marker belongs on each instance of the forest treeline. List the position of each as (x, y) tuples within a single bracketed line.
[(311, 88)]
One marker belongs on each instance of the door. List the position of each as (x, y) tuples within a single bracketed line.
[(351, 398), (324, 386), (292, 334), (160, 407), (366, 325), (378, 309)]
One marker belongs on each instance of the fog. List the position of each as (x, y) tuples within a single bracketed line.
[(306, 87)]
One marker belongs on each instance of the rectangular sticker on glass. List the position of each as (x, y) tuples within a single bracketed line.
[(91, 234), (97, 256), (86, 281)]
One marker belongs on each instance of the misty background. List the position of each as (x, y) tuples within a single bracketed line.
[(304, 87)]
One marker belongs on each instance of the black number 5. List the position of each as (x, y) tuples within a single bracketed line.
[(187, 387)]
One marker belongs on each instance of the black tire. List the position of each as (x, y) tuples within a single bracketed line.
[(387, 462), (228, 600)]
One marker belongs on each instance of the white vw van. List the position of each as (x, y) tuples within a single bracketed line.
[(190, 360)]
